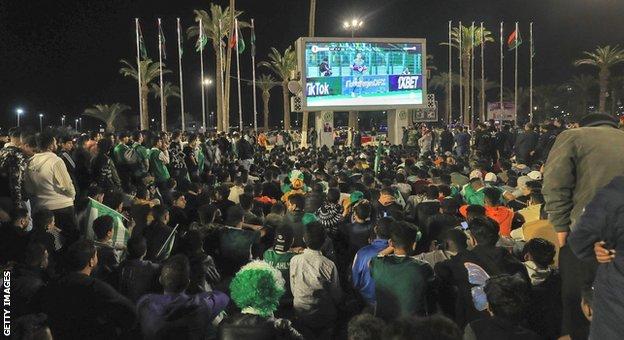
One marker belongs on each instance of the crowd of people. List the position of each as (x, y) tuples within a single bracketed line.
[(491, 233)]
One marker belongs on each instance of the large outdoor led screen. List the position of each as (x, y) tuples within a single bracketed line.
[(362, 74)]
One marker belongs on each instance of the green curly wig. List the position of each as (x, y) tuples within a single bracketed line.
[(259, 287)]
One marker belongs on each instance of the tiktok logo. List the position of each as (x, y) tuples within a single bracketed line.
[(318, 89)]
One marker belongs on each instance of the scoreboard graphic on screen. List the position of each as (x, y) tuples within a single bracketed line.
[(362, 73)]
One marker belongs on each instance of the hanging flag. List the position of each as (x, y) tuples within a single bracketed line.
[(180, 42), (514, 40), (253, 39), (237, 40), (202, 40), (142, 46), (165, 251), (97, 209), (162, 41)]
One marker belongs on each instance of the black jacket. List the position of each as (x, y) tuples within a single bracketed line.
[(496, 328), (156, 235), (26, 283), (525, 143), (493, 260), (248, 326), (244, 149), (446, 141), (82, 307), (136, 278)]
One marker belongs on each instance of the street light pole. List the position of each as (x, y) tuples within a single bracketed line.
[(63, 121), (19, 112), (76, 124), (41, 122), (207, 82)]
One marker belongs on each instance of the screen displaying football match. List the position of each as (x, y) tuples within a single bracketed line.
[(363, 74)]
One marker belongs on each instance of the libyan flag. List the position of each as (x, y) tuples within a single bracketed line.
[(120, 233), (237, 40), (514, 40)]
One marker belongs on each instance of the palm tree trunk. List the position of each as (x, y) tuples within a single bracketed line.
[(163, 114), (306, 114), (110, 126), (604, 83), (265, 100), (286, 105), (219, 79), (228, 68), (144, 120), (466, 68), (449, 109)]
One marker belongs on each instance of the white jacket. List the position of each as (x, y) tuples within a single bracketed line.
[(48, 182)]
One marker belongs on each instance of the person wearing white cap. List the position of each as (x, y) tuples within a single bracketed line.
[(535, 175)]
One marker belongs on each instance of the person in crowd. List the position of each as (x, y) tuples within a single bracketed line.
[(507, 297), (494, 210), (158, 162), (447, 218), (295, 206), (571, 179), (256, 290), (434, 327), (453, 242), (80, 306), (103, 168), (176, 314), (65, 151), (400, 280), (361, 276), (462, 140), (204, 274), (157, 233), (484, 234), (365, 327), (49, 182), (279, 258), (15, 236), (13, 164), (179, 215), (107, 259), (237, 246), (223, 202), (315, 285), (525, 145), (28, 278), (356, 235), (135, 276)]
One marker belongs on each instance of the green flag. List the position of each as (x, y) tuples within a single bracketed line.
[(253, 39), (162, 41), (142, 46), (237, 40), (515, 40), (97, 209), (165, 250)]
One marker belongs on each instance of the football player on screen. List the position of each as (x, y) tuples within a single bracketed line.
[(358, 67), (324, 68)]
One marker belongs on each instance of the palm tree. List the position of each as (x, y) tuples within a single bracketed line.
[(169, 90), (604, 57), (266, 83), (580, 89), (464, 36), (441, 81), (306, 114), (547, 96), (282, 65), (150, 70), (107, 113), (215, 34)]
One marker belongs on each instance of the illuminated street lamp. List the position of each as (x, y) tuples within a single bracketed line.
[(353, 25), (76, 124), (63, 121), (41, 122), (206, 82), (19, 112)]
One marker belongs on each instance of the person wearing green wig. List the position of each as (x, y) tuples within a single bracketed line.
[(256, 290)]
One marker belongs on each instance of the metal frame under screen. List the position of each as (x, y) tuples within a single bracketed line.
[(301, 50)]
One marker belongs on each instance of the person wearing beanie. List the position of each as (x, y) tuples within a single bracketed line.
[(581, 161), (256, 290), (279, 258)]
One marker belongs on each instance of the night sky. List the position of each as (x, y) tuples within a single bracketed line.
[(59, 57)]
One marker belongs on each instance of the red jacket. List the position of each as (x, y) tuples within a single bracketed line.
[(502, 215)]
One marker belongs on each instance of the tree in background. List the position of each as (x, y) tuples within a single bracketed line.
[(169, 90), (150, 70), (265, 83), (108, 113), (282, 65), (603, 57)]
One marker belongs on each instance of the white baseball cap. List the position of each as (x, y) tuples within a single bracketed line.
[(490, 177), (535, 175)]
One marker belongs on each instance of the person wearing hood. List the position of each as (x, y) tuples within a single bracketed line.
[(387, 204), (50, 186), (176, 314)]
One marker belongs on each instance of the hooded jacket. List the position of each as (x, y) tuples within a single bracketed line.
[(48, 182), (502, 215)]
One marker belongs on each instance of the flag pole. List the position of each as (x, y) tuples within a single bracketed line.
[(136, 21), (450, 76), (181, 82), (240, 106), (482, 113), (201, 71), (501, 67), (472, 74), (516, 78), (461, 76), (163, 117), (531, 75), (253, 71), (222, 71)]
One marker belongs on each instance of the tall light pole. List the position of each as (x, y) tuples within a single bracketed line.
[(353, 25), (41, 122), (63, 121), (19, 112), (80, 121), (76, 124), (207, 82)]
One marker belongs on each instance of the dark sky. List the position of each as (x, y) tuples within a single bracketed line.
[(61, 56)]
